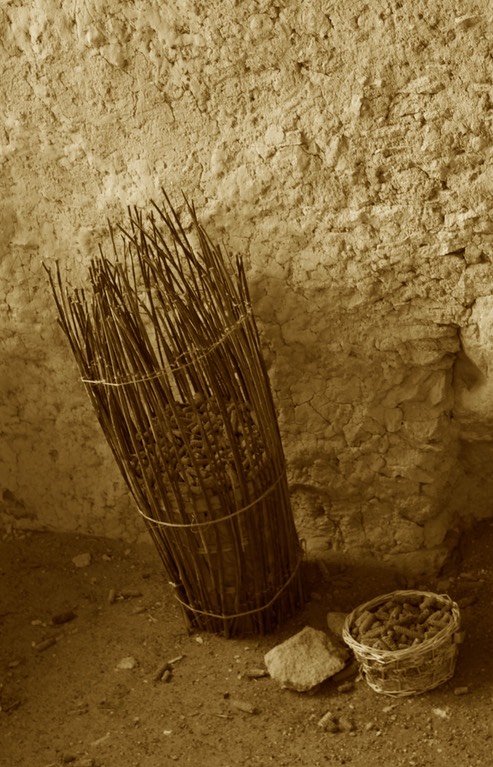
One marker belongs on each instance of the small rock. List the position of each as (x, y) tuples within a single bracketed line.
[(335, 622), (242, 705), (461, 690), (166, 677), (82, 560), (61, 618), (346, 724), (130, 594), (442, 713), (128, 663), (329, 722), (256, 673), (305, 660), (163, 673), (44, 644), (346, 687), (389, 708)]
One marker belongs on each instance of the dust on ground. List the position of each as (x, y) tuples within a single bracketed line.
[(81, 647)]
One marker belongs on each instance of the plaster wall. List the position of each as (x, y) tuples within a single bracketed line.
[(345, 149)]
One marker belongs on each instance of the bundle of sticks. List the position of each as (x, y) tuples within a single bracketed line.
[(170, 354)]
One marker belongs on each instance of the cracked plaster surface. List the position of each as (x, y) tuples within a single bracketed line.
[(345, 151)]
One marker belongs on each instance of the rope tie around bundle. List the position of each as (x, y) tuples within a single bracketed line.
[(170, 356)]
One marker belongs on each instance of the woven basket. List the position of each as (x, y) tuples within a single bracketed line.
[(411, 670), (230, 577), (170, 355)]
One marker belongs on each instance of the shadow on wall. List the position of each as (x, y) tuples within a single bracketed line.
[(472, 497), (13, 512), (365, 399), (56, 471), (34, 450)]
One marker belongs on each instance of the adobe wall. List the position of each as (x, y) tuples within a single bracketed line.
[(346, 151)]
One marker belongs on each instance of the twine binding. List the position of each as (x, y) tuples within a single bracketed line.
[(233, 616), (218, 520), (195, 356)]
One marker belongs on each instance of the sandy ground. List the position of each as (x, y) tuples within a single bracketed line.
[(77, 670)]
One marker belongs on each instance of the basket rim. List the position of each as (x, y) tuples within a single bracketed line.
[(386, 655)]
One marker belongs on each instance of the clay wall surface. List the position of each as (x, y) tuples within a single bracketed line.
[(345, 149)]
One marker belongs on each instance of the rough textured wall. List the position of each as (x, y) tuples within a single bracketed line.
[(345, 149)]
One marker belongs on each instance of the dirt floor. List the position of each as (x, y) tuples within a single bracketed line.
[(81, 646)]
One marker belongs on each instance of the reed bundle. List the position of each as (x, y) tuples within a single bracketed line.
[(170, 355)]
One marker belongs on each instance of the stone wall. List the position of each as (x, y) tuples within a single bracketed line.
[(345, 150)]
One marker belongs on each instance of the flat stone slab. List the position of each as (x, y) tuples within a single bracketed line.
[(306, 659)]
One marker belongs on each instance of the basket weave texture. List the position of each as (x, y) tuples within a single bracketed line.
[(170, 355), (415, 669)]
